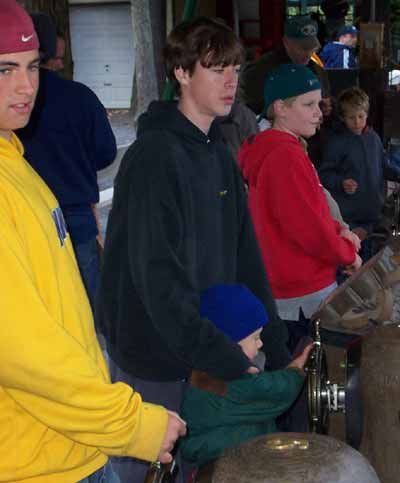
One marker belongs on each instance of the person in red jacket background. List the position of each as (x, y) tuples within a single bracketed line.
[(301, 244)]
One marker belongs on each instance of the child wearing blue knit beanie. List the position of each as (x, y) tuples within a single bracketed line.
[(246, 407), (236, 312)]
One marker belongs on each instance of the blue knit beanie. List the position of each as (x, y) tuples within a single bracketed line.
[(288, 80), (233, 309)]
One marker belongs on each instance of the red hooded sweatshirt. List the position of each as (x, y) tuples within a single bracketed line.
[(299, 239)]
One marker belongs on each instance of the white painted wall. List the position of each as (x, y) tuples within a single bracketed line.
[(102, 50)]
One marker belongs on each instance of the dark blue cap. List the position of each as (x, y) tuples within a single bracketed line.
[(303, 29), (347, 29)]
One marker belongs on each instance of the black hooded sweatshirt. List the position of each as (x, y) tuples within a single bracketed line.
[(178, 225)]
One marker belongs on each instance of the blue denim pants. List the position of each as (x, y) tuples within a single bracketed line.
[(88, 262), (103, 475)]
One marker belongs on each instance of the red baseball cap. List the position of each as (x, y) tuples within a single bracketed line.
[(16, 27)]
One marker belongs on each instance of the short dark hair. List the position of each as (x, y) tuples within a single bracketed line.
[(352, 99), (207, 40)]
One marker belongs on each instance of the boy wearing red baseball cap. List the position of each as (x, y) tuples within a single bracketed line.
[(60, 415)]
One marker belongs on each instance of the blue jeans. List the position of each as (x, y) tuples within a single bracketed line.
[(103, 475), (88, 262)]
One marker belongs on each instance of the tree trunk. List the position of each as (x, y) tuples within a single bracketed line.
[(145, 85), (59, 13), (158, 15)]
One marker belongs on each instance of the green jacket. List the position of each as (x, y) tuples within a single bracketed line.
[(249, 409)]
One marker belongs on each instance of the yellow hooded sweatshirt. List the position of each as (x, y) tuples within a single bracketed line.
[(59, 414)]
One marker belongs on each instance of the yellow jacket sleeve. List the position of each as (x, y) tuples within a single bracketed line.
[(53, 376)]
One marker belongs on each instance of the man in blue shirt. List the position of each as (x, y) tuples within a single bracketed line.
[(68, 139), (340, 54)]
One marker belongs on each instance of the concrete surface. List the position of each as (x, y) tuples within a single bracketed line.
[(123, 127)]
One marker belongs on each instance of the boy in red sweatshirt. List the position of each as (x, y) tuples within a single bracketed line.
[(302, 246)]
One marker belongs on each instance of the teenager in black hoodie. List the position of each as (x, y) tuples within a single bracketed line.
[(180, 224)]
